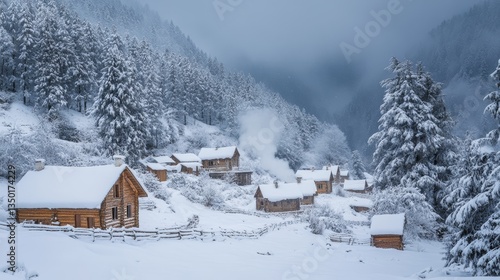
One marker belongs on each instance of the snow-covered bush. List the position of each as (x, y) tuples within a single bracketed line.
[(421, 220), (154, 186), (338, 191), (323, 217), (199, 189)]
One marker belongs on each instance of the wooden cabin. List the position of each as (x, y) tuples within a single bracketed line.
[(387, 231), (88, 197), (277, 198), (308, 189), (190, 168), (159, 170), (343, 175), (220, 159), (239, 177), (322, 178), (335, 171), (356, 186), (185, 158)]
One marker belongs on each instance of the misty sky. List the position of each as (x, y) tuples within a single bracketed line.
[(294, 45)]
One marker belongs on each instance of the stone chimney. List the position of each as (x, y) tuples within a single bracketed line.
[(276, 183), (39, 164), (119, 160), (299, 180)]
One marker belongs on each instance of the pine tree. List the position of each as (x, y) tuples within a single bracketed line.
[(358, 167), (26, 43), (475, 201), (6, 61), (49, 89), (409, 136), (119, 115)]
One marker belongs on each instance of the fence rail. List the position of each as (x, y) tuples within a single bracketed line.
[(136, 234), (349, 239)]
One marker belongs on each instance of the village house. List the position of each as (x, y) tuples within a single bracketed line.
[(184, 158), (223, 163), (308, 189), (322, 178), (335, 171), (165, 160), (344, 175), (387, 231), (89, 197), (220, 159), (278, 197), (158, 169), (190, 168), (356, 186)]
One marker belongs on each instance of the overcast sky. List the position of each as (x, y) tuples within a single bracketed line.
[(301, 39)]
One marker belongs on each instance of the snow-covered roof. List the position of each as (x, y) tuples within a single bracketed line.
[(67, 187), (344, 173), (164, 159), (354, 185), (388, 224), (307, 187), (156, 166), (282, 192), (316, 175), (333, 168), (217, 153), (188, 157), (173, 168)]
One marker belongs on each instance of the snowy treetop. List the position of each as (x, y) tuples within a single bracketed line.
[(217, 153), (282, 192), (354, 185), (316, 175), (67, 187), (188, 157), (387, 224)]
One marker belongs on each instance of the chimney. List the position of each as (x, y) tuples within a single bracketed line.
[(39, 164), (276, 183), (119, 160), (299, 180)]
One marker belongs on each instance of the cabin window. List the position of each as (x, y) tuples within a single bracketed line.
[(211, 163), (114, 213), (116, 191), (275, 204), (129, 211), (262, 203)]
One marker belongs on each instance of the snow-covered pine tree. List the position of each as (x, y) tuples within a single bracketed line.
[(474, 228), (119, 114), (409, 135), (358, 167), (26, 42), (6, 61), (48, 88)]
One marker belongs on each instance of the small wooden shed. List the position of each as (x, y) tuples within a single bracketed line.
[(277, 197), (159, 170), (220, 159), (387, 231), (90, 197), (322, 178)]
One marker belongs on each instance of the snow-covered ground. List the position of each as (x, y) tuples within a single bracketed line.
[(292, 252)]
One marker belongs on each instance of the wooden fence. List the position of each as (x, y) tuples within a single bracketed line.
[(349, 239), (136, 234)]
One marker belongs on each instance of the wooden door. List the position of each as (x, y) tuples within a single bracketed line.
[(78, 220), (90, 222)]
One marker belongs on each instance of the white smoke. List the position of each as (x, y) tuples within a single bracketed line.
[(260, 134)]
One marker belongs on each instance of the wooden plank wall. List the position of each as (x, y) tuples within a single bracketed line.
[(64, 216)]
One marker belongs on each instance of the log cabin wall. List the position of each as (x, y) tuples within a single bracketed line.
[(323, 186), (388, 241), (307, 200), (124, 197), (73, 217), (282, 206), (160, 174)]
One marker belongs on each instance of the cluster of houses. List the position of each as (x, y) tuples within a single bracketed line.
[(220, 163), (108, 196), (283, 197)]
